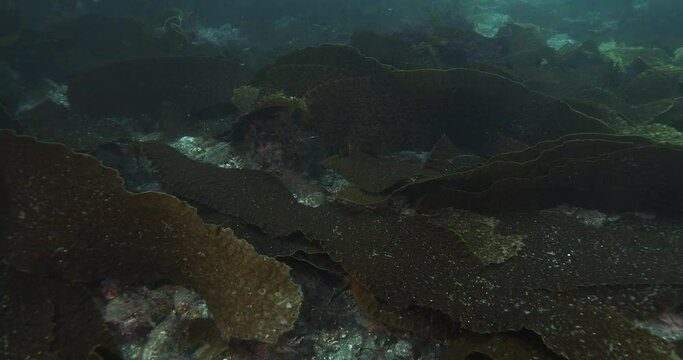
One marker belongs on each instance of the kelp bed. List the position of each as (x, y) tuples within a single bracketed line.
[(477, 210)]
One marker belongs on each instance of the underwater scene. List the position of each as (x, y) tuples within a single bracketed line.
[(341, 179)]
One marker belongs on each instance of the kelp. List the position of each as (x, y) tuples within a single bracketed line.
[(497, 347), (50, 121), (653, 84), (253, 196), (410, 110), (66, 47), (69, 217), (47, 317), (319, 260), (304, 69), (523, 45), (660, 133), (86, 42), (377, 175), (244, 98), (624, 57), (373, 174), (423, 322), (446, 158), (631, 179), (356, 196), (11, 27), (602, 171), (545, 80), (574, 146), (595, 101), (646, 259), (316, 228), (421, 267), (63, 49), (338, 56), (481, 236), (396, 49), (273, 246), (559, 285), (583, 65), (473, 180), (298, 79), (385, 48), (672, 115), (141, 86), (609, 99), (599, 111), (6, 120), (26, 323), (249, 99)]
